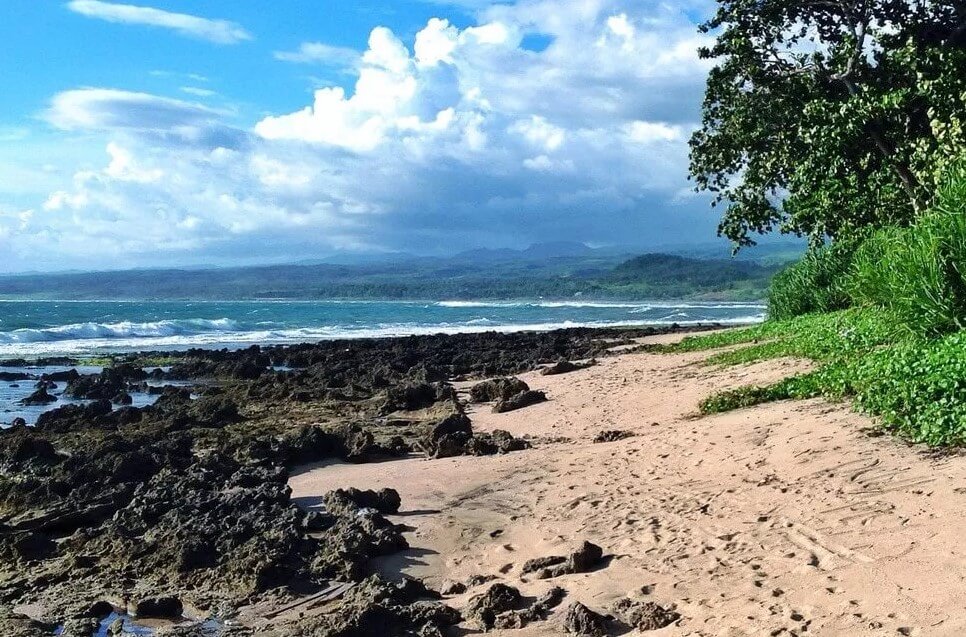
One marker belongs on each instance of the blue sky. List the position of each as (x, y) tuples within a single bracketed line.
[(173, 132)]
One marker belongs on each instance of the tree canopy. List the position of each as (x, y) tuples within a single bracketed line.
[(822, 117)]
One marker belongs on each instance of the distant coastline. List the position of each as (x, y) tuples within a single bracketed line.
[(586, 277)]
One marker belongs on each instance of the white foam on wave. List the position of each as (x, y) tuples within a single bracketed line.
[(457, 304), (639, 307), (239, 339), (120, 330)]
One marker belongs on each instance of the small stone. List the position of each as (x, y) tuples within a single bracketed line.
[(452, 588), (581, 620)]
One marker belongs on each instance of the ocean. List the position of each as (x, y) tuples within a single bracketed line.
[(30, 329)]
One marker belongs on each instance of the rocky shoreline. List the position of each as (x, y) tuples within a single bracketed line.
[(181, 509)]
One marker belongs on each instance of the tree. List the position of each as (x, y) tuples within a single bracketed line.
[(825, 116)]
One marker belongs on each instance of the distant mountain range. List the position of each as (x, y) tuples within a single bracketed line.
[(548, 270), (782, 250)]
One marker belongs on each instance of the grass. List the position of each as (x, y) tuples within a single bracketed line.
[(799, 387), (916, 274), (915, 386)]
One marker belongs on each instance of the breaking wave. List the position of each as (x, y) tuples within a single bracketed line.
[(171, 326), (124, 329)]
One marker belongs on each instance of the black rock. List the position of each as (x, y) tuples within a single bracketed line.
[(378, 608), (386, 501), (410, 397), (519, 401), (159, 608), (100, 610), (645, 616), (453, 588), (497, 389), (448, 437), (216, 411), (39, 397), (565, 367), (10, 377), (586, 557), (61, 377), (537, 611), (612, 435), (581, 620), (499, 598)]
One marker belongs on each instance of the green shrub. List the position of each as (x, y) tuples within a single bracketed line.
[(919, 273), (801, 386), (816, 283)]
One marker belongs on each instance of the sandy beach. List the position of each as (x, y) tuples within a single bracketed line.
[(784, 519)]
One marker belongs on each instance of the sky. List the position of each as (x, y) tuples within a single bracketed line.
[(217, 132)]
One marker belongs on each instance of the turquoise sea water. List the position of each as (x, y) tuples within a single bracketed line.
[(47, 328)]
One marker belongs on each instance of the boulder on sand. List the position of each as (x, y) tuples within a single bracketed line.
[(537, 611), (581, 620), (565, 367), (386, 501), (497, 389), (645, 616), (448, 437), (585, 558), (519, 401), (499, 598)]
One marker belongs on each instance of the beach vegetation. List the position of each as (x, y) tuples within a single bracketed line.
[(816, 283), (844, 122), (915, 386)]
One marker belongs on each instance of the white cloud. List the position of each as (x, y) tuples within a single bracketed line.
[(320, 53), (197, 77), (620, 25), (217, 31), (436, 43), (456, 138), (110, 109), (538, 132), (198, 92), (647, 132), (363, 121), (124, 167)]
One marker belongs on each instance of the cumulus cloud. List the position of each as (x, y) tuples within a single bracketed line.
[(459, 137), (217, 31)]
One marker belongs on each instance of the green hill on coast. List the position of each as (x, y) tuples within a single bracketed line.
[(491, 275)]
